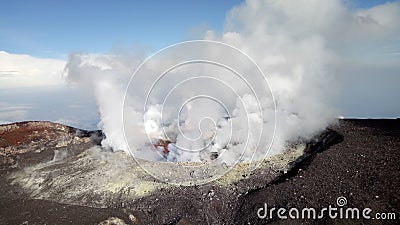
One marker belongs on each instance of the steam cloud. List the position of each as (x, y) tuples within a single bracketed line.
[(297, 45)]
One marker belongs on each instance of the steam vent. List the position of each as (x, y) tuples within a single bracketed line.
[(53, 172)]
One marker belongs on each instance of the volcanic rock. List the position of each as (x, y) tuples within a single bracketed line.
[(71, 180)]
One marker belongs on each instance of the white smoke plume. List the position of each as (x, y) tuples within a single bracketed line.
[(297, 44)]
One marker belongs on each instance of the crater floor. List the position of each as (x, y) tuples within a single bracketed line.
[(54, 174)]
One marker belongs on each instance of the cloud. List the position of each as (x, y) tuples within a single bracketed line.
[(357, 49), (302, 46), (289, 40), (13, 112), (17, 70)]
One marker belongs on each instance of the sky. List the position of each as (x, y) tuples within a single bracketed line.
[(53, 29), (56, 28), (36, 38)]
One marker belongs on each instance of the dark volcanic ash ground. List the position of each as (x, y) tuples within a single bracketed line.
[(55, 174)]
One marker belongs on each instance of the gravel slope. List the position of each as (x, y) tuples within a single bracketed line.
[(364, 168)]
